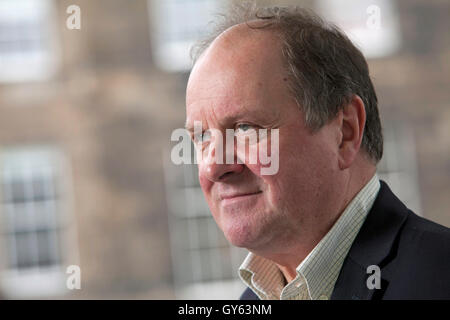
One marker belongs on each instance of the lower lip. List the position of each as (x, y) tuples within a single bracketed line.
[(246, 197)]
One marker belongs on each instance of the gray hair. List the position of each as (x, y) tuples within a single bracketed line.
[(325, 68)]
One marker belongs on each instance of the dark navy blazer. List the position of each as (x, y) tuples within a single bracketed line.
[(412, 253)]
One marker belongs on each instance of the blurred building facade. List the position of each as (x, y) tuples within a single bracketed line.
[(87, 117)]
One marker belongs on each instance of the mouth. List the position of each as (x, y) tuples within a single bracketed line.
[(233, 198)]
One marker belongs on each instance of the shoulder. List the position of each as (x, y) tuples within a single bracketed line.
[(420, 261), (418, 230), (419, 224), (412, 252), (426, 239)]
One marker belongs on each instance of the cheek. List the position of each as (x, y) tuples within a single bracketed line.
[(262, 159), (305, 171)]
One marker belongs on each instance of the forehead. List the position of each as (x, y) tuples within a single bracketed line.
[(237, 77), (225, 98)]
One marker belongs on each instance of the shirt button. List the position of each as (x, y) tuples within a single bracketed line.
[(323, 297)]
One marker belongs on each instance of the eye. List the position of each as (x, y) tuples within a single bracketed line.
[(243, 127)]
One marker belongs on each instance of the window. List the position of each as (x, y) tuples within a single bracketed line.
[(33, 222), (371, 24), (27, 48), (205, 265), (175, 26), (398, 166)]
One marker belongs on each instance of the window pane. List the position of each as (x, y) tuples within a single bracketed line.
[(47, 248), (24, 250), (44, 215), (224, 259), (20, 217), (42, 188), (202, 230), (17, 188), (207, 267)]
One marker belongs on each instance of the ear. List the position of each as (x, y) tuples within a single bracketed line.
[(353, 119)]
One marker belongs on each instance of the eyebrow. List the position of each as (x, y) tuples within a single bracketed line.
[(242, 113)]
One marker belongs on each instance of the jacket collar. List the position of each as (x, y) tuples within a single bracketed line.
[(372, 246)]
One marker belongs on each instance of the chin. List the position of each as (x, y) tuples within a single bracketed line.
[(240, 235)]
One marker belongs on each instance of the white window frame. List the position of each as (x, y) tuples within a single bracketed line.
[(36, 280), (356, 18), (28, 43), (175, 25)]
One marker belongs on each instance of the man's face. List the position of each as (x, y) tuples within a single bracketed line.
[(241, 84)]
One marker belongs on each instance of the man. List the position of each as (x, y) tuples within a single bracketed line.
[(323, 226)]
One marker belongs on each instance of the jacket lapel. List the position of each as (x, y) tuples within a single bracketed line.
[(372, 246), (248, 294)]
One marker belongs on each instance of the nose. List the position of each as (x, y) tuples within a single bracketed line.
[(216, 172)]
